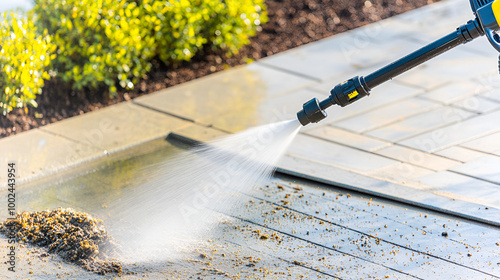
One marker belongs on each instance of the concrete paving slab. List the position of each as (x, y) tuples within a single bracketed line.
[(391, 229), (417, 158), (36, 153), (402, 173), (386, 115), (424, 23), (453, 92), (345, 52), (486, 144), (485, 168), (319, 172), (460, 154), (477, 104), (216, 94), (200, 133), (336, 155), (448, 68), (389, 93), (348, 138), (274, 109), (420, 123), (490, 86), (463, 187), (116, 127), (455, 134)]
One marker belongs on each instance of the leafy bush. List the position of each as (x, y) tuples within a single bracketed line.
[(98, 41), (183, 27), (235, 22), (24, 58), (101, 42)]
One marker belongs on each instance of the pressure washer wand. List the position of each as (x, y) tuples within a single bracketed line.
[(487, 21)]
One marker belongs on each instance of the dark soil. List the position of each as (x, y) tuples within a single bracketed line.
[(291, 23), (75, 236)]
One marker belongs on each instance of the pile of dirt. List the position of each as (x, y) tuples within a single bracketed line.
[(75, 236), (291, 23)]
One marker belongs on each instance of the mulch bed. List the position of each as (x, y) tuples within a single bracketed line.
[(291, 23)]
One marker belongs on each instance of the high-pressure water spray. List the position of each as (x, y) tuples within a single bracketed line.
[(487, 22)]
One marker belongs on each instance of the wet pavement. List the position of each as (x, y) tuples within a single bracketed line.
[(287, 228), (428, 139)]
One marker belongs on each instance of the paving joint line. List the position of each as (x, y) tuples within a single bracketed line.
[(355, 148), (384, 217), (474, 177), (432, 129), (477, 151), (488, 98), (430, 108), (284, 260), (454, 105), (348, 131), (70, 139), (161, 111), (288, 71), (371, 236), (182, 118), (322, 246), (458, 143), (374, 153), (417, 150)]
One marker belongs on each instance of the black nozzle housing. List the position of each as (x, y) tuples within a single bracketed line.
[(342, 94), (349, 91), (313, 111)]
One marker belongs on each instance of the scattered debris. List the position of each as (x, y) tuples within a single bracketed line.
[(264, 237), (216, 271)]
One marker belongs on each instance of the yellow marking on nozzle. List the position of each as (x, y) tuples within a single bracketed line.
[(353, 94), (495, 7)]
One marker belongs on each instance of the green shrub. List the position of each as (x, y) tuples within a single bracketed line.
[(98, 41), (24, 58), (183, 27), (101, 42), (235, 22)]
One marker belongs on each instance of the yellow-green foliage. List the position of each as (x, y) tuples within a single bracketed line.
[(182, 27), (235, 22), (24, 58), (99, 41)]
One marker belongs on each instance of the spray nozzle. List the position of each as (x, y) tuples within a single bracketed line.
[(313, 111), (342, 94)]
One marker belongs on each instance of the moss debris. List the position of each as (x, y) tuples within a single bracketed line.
[(75, 236)]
